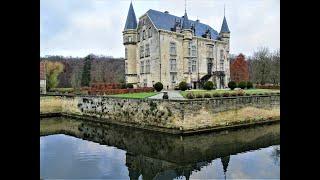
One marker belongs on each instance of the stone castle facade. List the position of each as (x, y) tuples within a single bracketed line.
[(165, 48)]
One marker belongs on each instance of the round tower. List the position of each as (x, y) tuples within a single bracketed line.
[(187, 37), (130, 43)]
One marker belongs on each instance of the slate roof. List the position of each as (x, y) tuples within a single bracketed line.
[(224, 27), (131, 22), (167, 21)]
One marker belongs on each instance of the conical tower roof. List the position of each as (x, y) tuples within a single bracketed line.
[(224, 27), (186, 22), (131, 22)]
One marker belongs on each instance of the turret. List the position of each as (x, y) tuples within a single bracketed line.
[(187, 37), (130, 43), (225, 32)]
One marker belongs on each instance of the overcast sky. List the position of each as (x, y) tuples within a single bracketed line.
[(81, 27)]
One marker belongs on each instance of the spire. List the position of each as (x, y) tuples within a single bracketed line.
[(186, 23), (131, 22), (224, 27)]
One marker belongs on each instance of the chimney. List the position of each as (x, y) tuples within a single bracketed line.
[(167, 12), (197, 20)]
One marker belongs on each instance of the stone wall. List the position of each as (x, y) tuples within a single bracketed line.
[(179, 114)]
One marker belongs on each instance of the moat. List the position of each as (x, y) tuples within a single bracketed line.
[(74, 149)]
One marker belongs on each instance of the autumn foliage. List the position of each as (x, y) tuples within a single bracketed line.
[(239, 69)]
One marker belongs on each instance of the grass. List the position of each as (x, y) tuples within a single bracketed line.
[(221, 91), (50, 104), (62, 90), (141, 95)]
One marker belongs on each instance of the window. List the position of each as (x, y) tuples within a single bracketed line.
[(210, 52), (221, 60), (141, 52), (194, 65), (173, 50), (173, 77), (143, 34), (126, 67), (126, 53), (138, 36), (147, 66), (145, 82), (192, 49), (141, 67), (173, 65), (189, 49), (129, 39), (147, 52), (150, 32), (189, 66)]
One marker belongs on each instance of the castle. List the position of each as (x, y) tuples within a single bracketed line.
[(165, 48)]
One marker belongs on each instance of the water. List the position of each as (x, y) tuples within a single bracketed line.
[(96, 151)]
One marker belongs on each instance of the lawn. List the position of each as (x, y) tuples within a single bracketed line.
[(141, 95), (221, 91)]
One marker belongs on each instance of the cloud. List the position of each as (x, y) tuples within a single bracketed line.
[(80, 27)]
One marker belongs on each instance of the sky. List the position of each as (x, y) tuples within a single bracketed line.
[(80, 27)]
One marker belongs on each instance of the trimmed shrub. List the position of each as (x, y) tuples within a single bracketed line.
[(232, 85), (207, 95), (216, 95), (190, 96), (183, 86), (226, 94), (129, 85), (123, 86), (208, 85), (199, 96), (233, 94), (240, 93), (249, 85), (242, 85), (158, 86)]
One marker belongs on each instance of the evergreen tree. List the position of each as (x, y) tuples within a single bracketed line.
[(86, 73)]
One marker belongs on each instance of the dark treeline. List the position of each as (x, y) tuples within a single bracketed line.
[(103, 69), (264, 66)]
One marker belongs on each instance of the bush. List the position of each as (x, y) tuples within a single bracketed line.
[(249, 85), (207, 95), (240, 93), (199, 96), (242, 85), (183, 86), (208, 85), (123, 86), (232, 85), (233, 94), (129, 85), (158, 86), (216, 95), (226, 94), (190, 96)]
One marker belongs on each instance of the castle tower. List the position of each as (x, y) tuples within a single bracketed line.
[(225, 32), (130, 43), (187, 37)]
